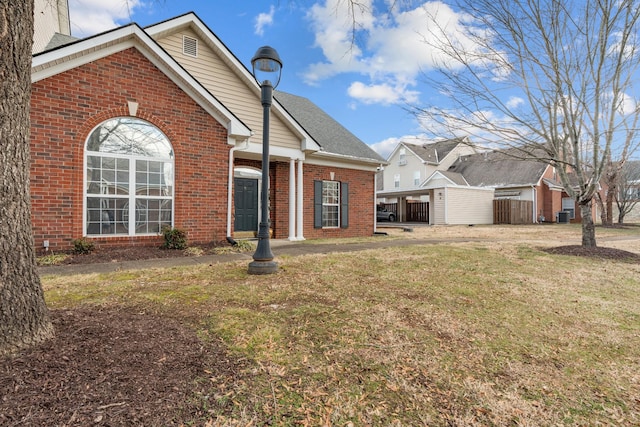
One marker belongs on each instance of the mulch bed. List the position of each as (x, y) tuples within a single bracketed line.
[(133, 253), (597, 252), (113, 367)]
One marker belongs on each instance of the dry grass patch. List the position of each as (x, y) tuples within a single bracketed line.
[(462, 333)]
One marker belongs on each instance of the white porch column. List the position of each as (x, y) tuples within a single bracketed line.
[(292, 199), (299, 209)]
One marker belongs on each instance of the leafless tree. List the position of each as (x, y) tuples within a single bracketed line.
[(24, 319), (554, 77)]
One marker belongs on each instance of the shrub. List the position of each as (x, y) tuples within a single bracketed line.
[(240, 246), (83, 246), (52, 259), (174, 238), (194, 251)]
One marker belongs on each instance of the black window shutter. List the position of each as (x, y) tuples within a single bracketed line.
[(344, 205), (317, 204)]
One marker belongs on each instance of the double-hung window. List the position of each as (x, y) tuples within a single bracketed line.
[(129, 166), (331, 204)]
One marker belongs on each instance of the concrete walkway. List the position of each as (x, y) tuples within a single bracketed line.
[(279, 248)]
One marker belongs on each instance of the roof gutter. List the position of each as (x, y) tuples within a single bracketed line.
[(350, 158)]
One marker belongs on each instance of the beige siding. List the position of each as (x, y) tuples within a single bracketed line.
[(438, 181), (469, 206), (438, 206), (48, 15), (218, 77), (460, 150), (413, 163)]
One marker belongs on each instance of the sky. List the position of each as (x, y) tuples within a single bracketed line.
[(364, 80)]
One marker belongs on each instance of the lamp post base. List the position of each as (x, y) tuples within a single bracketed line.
[(263, 267)]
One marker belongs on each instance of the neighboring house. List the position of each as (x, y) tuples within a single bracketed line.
[(411, 164), (514, 178), (416, 175), (136, 129)]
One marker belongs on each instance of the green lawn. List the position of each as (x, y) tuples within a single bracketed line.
[(445, 334)]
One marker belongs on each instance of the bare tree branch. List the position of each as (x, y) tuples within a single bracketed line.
[(572, 67)]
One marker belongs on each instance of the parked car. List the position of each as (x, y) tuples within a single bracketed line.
[(382, 214)]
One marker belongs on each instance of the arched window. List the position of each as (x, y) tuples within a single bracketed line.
[(128, 179)]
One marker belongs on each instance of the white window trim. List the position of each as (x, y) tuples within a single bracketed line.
[(131, 197), (337, 204)]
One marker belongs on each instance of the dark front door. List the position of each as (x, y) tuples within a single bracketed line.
[(246, 201)]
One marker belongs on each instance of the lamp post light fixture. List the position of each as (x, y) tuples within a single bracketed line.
[(266, 65)]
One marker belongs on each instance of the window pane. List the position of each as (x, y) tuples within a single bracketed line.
[(131, 136), (329, 192), (330, 216), (154, 178), (106, 216), (152, 215)]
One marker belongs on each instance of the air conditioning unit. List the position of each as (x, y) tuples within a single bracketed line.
[(402, 162)]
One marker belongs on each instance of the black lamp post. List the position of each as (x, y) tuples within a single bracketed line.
[(266, 65)]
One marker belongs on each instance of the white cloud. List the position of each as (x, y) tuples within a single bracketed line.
[(390, 47), (514, 102), (381, 93), (263, 20), (628, 105), (90, 17), (385, 147)]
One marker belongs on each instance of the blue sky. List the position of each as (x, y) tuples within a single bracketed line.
[(364, 83)]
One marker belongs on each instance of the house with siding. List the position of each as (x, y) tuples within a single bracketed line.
[(515, 178), (415, 183), (136, 129)]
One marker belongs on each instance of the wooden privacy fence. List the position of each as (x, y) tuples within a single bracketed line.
[(418, 212), (508, 211)]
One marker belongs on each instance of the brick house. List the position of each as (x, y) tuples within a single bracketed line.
[(136, 129), (521, 179)]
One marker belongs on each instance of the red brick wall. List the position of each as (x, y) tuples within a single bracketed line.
[(361, 199), (64, 110)]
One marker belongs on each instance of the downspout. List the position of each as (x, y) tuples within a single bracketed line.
[(244, 146), (535, 204)]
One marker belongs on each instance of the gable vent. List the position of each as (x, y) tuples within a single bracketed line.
[(190, 46)]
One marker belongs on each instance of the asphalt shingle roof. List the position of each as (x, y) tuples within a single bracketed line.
[(58, 40), (497, 169), (434, 152), (326, 131)]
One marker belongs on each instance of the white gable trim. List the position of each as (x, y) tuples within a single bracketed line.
[(449, 182), (68, 57), (307, 143)]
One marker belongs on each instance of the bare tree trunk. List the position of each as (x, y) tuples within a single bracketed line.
[(603, 208), (24, 318), (609, 216), (588, 227), (621, 218)]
